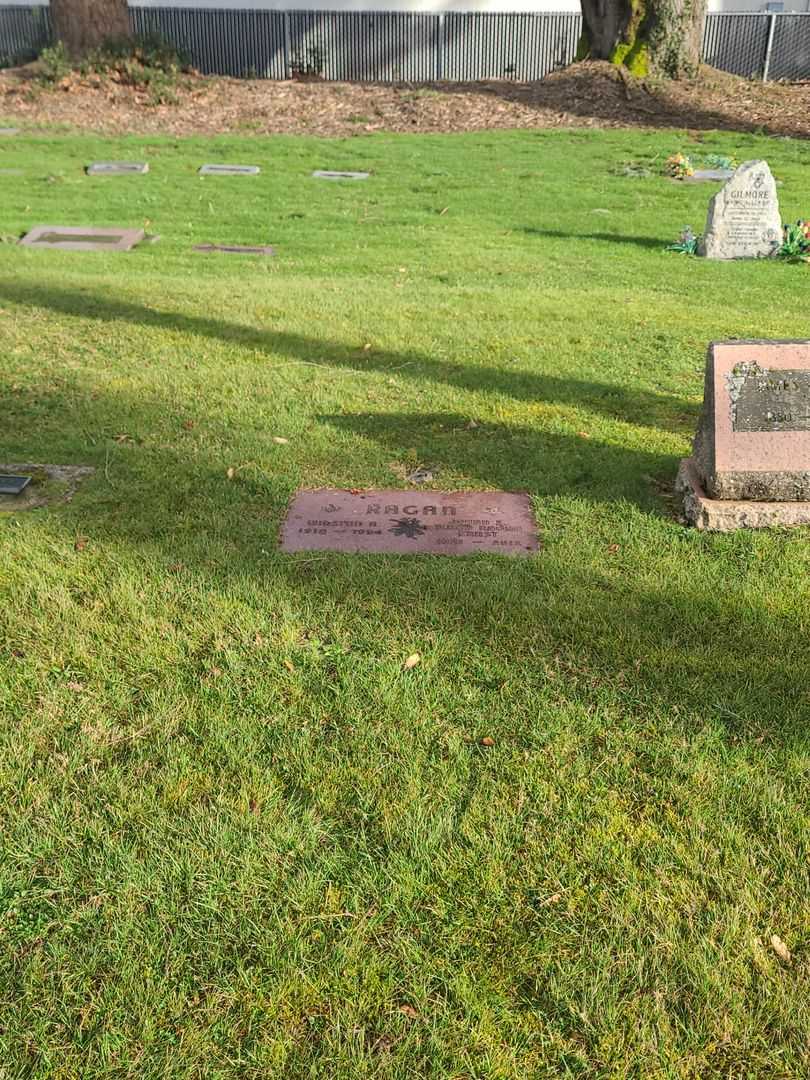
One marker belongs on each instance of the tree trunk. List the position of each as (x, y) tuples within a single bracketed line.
[(661, 37), (86, 24)]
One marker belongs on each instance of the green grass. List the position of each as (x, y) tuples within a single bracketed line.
[(236, 837)]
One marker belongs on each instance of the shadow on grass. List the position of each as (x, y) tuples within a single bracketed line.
[(650, 242), (617, 402), (604, 632)]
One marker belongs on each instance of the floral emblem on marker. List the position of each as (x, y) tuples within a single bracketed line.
[(410, 527)]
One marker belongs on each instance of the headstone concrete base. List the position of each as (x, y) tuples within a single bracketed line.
[(728, 515), (49, 484)]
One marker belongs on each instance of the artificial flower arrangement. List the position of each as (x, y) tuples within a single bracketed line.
[(679, 165), (795, 242)]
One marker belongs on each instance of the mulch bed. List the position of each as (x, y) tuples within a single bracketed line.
[(583, 95)]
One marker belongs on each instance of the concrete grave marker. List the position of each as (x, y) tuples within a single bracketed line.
[(73, 238), (705, 175), (229, 170), (330, 174), (743, 220), (410, 522), (47, 485), (114, 168), (751, 459), (235, 249), (9, 131)]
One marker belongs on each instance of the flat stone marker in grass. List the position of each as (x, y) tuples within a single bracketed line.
[(750, 465), (9, 131), (331, 174), (47, 485), (701, 176), (235, 249), (115, 168), (229, 170), (743, 220), (409, 522), (77, 238)]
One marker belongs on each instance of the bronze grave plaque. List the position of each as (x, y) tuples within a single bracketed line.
[(72, 238), (333, 174), (410, 522)]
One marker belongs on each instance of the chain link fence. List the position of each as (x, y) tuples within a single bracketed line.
[(391, 47)]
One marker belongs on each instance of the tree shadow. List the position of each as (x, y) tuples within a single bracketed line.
[(513, 457), (612, 400), (595, 91), (650, 242), (641, 631)]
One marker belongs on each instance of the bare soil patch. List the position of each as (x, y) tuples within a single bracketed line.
[(583, 95)]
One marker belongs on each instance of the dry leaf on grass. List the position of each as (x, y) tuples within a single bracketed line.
[(409, 1011), (231, 473), (487, 741), (411, 662), (781, 949), (280, 440), (80, 543)]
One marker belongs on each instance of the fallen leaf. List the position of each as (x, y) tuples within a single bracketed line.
[(258, 641), (289, 665), (367, 346), (231, 473), (583, 435), (472, 424), (487, 741), (76, 687), (188, 424), (781, 949), (614, 549), (411, 662), (444, 211), (216, 672), (80, 543), (555, 898), (254, 806), (280, 440), (409, 1011), (176, 567)]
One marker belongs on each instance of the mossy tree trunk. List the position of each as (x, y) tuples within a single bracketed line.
[(83, 25), (661, 37)]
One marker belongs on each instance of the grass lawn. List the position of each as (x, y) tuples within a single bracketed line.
[(238, 840)]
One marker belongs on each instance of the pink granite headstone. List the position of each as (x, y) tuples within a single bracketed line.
[(751, 458)]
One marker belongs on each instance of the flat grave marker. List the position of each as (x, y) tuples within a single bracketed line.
[(9, 131), (78, 238), (410, 522), (751, 458), (229, 170), (13, 485), (45, 485), (235, 249), (332, 174), (115, 168), (706, 175), (743, 221)]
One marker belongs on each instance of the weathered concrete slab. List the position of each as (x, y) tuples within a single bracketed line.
[(235, 249), (9, 131), (728, 515), (229, 170), (114, 168), (79, 238), (49, 484), (410, 522), (702, 176), (331, 174)]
